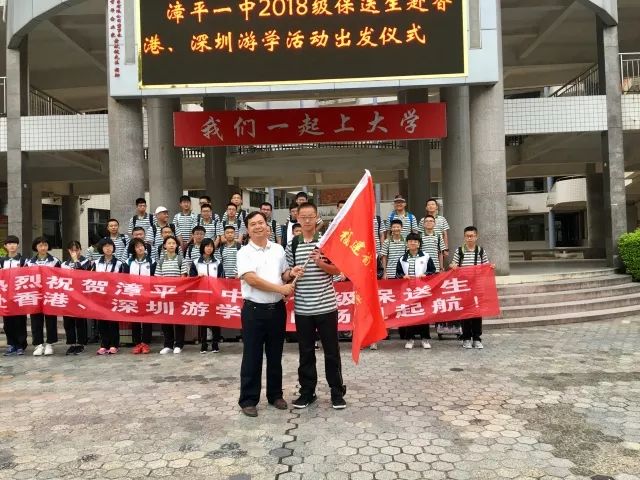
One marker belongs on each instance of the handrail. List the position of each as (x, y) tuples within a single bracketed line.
[(585, 84), (40, 103), (630, 72)]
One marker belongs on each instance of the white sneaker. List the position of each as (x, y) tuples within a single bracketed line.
[(373, 346), (426, 345), (48, 349), (477, 344), (466, 344), (177, 350), (165, 350), (39, 351), (409, 345)]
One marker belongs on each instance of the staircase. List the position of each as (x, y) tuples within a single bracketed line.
[(574, 297)]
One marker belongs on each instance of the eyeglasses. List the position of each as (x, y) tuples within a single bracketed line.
[(307, 219)]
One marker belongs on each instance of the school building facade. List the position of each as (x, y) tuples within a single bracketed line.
[(542, 151)]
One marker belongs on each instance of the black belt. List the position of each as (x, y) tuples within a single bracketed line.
[(263, 306)]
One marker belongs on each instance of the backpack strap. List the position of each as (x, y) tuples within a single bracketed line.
[(460, 255), (134, 219), (379, 220), (294, 246)]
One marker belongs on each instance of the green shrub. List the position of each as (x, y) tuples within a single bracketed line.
[(629, 248)]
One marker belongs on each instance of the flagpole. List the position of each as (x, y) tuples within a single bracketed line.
[(303, 267)]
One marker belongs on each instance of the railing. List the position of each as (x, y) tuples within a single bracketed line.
[(40, 103), (585, 84), (630, 72)]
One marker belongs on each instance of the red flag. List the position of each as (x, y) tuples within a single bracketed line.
[(350, 245)]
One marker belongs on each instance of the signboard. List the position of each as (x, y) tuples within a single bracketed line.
[(189, 43), (310, 125)]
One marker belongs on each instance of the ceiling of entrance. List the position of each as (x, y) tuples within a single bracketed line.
[(546, 42)]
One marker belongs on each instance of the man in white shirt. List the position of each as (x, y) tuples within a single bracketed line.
[(264, 273)]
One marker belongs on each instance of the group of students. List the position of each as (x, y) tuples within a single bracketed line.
[(206, 244)]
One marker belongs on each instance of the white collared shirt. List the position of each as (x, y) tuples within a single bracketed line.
[(269, 263)]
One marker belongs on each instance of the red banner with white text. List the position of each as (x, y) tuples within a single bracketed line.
[(310, 125), (453, 295)]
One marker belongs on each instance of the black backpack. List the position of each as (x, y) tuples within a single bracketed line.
[(296, 240), (134, 219), (154, 228), (479, 252), (222, 245)]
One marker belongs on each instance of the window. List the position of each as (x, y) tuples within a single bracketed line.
[(527, 228), (256, 198), (52, 225), (97, 223), (526, 185)]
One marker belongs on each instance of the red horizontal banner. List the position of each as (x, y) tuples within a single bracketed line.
[(310, 125), (453, 295)]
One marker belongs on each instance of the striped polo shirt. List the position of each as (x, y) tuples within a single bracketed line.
[(393, 250), (469, 256), (242, 214), (228, 255), (433, 244), (155, 240), (441, 225), (211, 229), (409, 222), (144, 222), (169, 267), (191, 254), (314, 293), (237, 223), (411, 260), (184, 224)]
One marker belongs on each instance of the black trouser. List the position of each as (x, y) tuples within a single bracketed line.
[(472, 328), (109, 334), (38, 322), (215, 338), (173, 335), (141, 333), (326, 325), (76, 330), (15, 328), (263, 327), (409, 333)]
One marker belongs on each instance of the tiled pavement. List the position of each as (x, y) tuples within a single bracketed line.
[(544, 403)]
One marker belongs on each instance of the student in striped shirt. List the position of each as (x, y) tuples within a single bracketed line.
[(109, 331), (274, 233), (415, 264), (141, 218), (140, 263), (202, 201), (432, 242), (184, 221), (140, 233), (76, 328), (441, 224), (409, 223), (208, 221), (236, 199), (39, 320), (206, 265), (392, 249), (227, 253), (192, 252), (155, 235), (231, 219), (170, 265), (316, 311), (468, 255)]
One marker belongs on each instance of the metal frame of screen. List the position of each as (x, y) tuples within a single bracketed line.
[(465, 46)]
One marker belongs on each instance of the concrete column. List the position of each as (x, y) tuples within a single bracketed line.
[(126, 158), (165, 161), (612, 141), (488, 165), (551, 219), (215, 161), (596, 222), (70, 221), (378, 193), (18, 188), (419, 170), (35, 202), (456, 164)]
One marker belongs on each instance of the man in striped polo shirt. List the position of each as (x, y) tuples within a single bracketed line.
[(274, 234), (468, 255), (408, 219), (432, 242), (393, 249), (316, 310), (208, 221), (141, 218), (232, 218), (227, 252), (441, 224), (184, 221)]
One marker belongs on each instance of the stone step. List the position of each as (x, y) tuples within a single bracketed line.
[(563, 318), (570, 307), (569, 295), (566, 284), (550, 275)]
